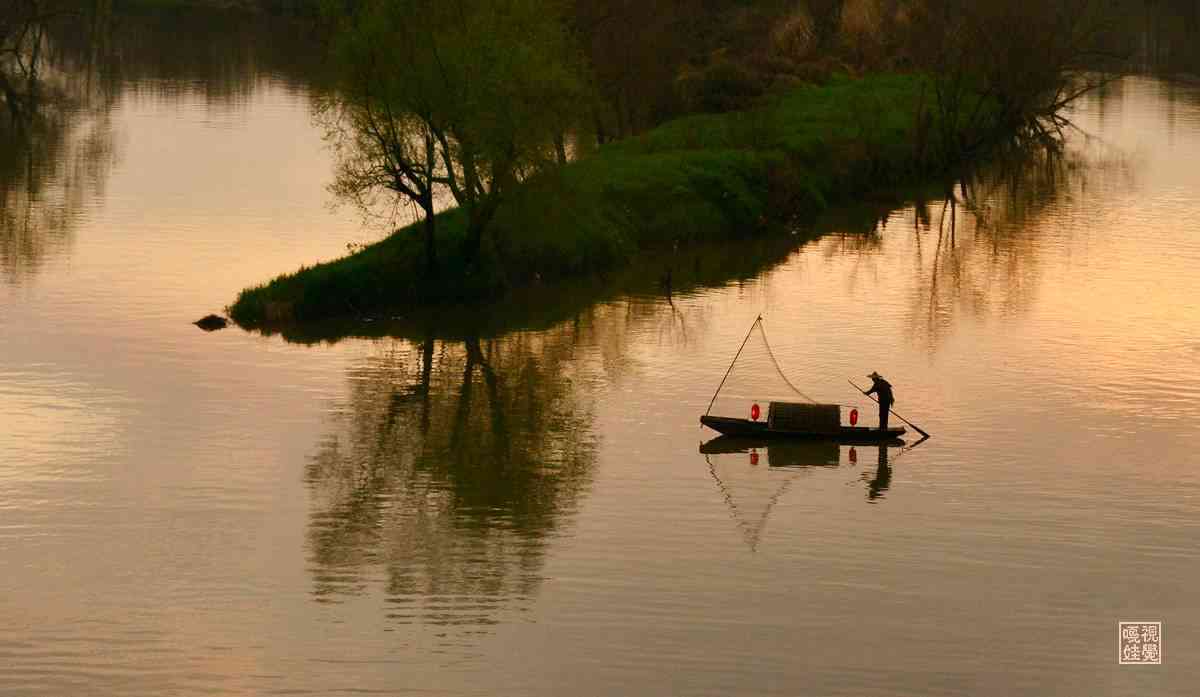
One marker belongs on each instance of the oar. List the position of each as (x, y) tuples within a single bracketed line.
[(915, 427)]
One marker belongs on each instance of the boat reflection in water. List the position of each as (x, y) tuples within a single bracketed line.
[(751, 491), (779, 452)]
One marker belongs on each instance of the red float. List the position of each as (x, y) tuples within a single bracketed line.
[(853, 417), (754, 412), (753, 458)]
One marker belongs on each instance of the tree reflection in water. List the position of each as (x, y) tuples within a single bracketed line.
[(980, 249), (56, 143), (450, 465), (978, 245), (978, 241)]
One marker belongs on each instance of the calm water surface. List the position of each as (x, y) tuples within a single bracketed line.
[(520, 506)]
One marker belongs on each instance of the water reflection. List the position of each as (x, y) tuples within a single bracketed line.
[(779, 453), (56, 146), (62, 80), (451, 464), (179, 50), (751, 491), (52, 165), (879, 483), (978, 249)]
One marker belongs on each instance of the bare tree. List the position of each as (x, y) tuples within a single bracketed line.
[(464, 96), (22, 42), (1002, 67)]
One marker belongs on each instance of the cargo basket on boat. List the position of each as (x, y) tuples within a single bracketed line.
[(809, 418)]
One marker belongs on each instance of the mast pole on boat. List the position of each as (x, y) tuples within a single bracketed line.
[(730, 368)]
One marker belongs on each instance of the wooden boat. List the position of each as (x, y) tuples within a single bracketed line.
[(808, 420), (758, 429)]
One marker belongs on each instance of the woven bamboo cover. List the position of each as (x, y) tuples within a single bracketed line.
[(811, 418)]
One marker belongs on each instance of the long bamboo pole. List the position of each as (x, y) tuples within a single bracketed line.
[(915, 427), (730, 368)]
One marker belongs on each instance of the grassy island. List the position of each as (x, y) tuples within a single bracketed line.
[(691, 122), (699, 178)]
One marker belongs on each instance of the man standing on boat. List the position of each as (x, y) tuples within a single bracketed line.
[(883, 388)]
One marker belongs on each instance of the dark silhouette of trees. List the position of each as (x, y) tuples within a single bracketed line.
[(467, 97), (23, 26), (1004, 67)]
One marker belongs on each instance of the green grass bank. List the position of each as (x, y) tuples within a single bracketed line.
[(700, 178)]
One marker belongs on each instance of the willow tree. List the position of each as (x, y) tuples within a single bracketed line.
[(460, 96), (1003, 68)]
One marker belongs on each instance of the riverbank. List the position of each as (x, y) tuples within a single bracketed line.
[(700, 178)]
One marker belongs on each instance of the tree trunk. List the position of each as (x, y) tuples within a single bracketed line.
[(474, 240), (430, 229), (560, 147), (601, 131), (12, 99), (478, 217)]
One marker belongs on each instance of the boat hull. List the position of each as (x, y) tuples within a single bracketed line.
[(758, 429)]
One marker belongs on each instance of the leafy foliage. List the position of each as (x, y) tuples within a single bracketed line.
[(465, 97)]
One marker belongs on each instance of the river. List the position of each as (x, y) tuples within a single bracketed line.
[(516, 503)]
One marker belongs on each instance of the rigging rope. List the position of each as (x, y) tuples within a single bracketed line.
[(770, 353), (758, 323)]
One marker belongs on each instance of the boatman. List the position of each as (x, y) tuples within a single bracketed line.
[(883, 388)]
